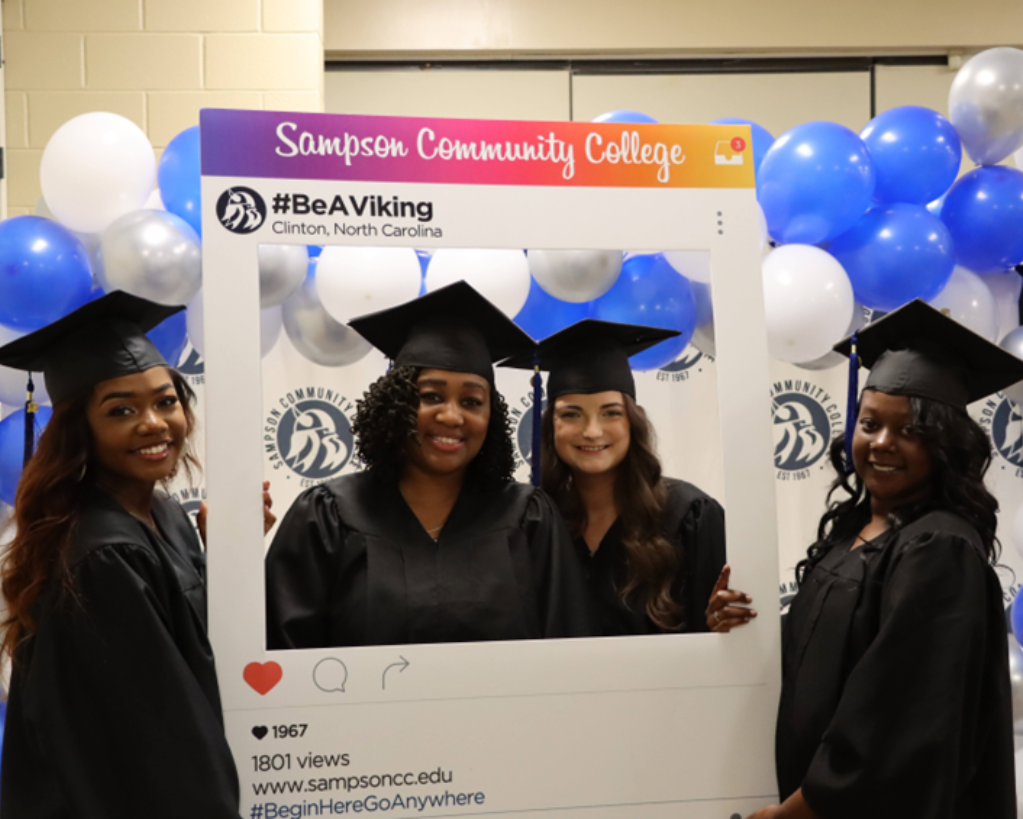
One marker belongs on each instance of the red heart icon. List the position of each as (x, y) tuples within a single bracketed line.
[(262, 676)]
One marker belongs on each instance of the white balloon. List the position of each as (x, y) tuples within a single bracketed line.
[(808, 302), (270, 323), (269, 327), (969, 301), (353, 281), (575, 275), (693, 264), (833, 359), (501, 276), (96, 168), (14, 383), (1013, 343), (282, 269)]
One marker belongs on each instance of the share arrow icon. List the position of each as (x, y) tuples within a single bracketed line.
[(400, 666)]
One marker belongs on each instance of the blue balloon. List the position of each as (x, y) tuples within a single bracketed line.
[(178, 177), (1017, 616), (314, 250), (44, 272), (984, 214), (170, 337), (895, 254), (12, 449), (762, 139), (916, 154), (625, 116), (815, 182), (542, 314), (649, 291)]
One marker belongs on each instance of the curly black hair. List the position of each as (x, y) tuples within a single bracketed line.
[(960, 454), (385, 423)]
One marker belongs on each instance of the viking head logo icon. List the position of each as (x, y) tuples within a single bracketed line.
[(800, 431), (1007, 432), (318, 441), (241, 210)]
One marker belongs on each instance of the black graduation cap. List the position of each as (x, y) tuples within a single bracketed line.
[(453, 328), (591, 356), (918, 351), (102, 339)]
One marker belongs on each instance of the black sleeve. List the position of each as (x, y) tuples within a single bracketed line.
[(563, 598), (300, 572), (122, 719), (914, 705), (702, 535)]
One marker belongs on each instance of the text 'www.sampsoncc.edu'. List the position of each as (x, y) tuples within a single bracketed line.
[(351, 783)]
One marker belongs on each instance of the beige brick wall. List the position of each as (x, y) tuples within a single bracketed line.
[(156, 62)]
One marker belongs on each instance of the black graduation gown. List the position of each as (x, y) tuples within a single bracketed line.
[(694, 523), (351, 565), (114, 709), (895, 698)]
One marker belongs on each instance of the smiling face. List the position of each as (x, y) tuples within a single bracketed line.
[(138, 427), (591, 432), (451, 423), (888, 453)]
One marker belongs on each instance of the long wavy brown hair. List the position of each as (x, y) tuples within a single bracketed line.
[(48, 507), (655, 569)]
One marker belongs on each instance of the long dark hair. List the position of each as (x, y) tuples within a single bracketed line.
[(385, 423), (48, 507), (960, 454), (654, 566)]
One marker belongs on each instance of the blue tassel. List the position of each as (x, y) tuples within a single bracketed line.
[(537, 422), (31, 408), (850, 408)]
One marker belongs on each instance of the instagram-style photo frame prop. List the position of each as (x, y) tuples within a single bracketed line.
[(675, 725)]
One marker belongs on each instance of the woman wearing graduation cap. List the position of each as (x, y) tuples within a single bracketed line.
[(895, 696), (654, 546), (114, 709), (433, 542)]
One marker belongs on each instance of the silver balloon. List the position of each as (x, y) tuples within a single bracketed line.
[(1016, 682), (282, 269), (703, 335), (316, 335), (833, 359), (1013, 343), (985, 104), (152, 254), (575, 275)]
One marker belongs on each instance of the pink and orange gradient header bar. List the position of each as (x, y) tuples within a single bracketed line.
[(269, 144)]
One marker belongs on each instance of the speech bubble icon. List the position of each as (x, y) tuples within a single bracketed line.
[(330, 675)]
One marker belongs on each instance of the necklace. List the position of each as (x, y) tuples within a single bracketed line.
[(435, 529)]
